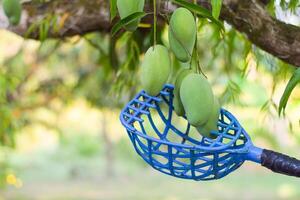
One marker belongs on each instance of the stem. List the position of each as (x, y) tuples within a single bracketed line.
[(154, 22), (195, 50), (198, 67)]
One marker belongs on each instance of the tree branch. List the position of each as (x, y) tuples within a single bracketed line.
[(275, 37), (75, 17)]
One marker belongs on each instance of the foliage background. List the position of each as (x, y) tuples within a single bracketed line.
[(60, 99)]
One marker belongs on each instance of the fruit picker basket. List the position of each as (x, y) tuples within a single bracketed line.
[(175, 151)]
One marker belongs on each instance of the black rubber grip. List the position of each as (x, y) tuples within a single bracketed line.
[(280, 163)]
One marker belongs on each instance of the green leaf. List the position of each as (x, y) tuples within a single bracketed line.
[(293, 5), (288, 90), (127, 20), (271, 8), (113, 9), (216, 8), (199, 11)]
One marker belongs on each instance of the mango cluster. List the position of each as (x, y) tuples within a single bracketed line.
[(193, 95)]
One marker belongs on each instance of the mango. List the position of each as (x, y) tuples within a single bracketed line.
[(155, 69), (177, 67), (182, 34), (197, 99), (178, 107), (13, 10), (128, 7), (212, 123)]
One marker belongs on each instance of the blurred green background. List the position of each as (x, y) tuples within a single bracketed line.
[(61, 137)]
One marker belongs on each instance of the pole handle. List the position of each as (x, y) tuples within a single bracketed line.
[(280, 163)]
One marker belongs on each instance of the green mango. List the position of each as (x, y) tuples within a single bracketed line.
[(128, 7), (212, 123), (182, 34), (178, 107), (13, 10), (197, 99), (155, 70), (176, 68)]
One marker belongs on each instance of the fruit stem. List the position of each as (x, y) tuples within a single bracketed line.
[(154, 22), (194, 56)]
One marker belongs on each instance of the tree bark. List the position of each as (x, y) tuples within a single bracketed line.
[(77, 17), (275, 37)]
